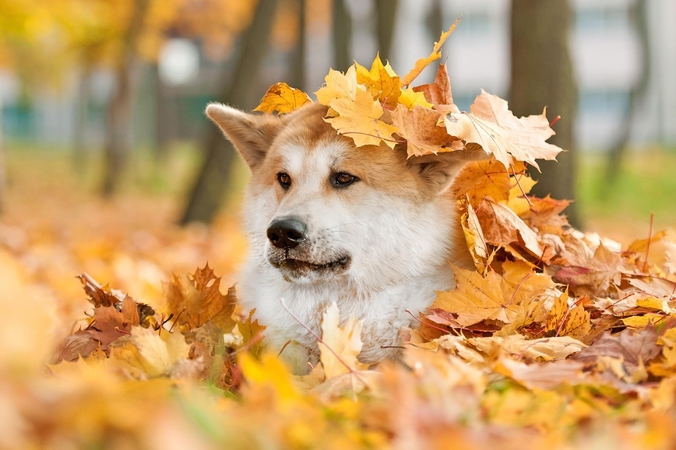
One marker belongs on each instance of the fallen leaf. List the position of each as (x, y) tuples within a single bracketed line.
[(424, 62), (439, 92), (630, 347), (423, 136), (341, 345)]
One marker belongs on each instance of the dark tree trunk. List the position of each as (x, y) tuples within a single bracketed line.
[(212, 180), (342, 35), (386, 12), (298, 65), (118, 125), (542, 74), (636, 94)]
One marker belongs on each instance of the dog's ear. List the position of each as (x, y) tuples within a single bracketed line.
[(251, 134), (439, 170)]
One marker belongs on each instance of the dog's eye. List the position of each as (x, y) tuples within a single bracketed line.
[(343, 179), (284, 180)]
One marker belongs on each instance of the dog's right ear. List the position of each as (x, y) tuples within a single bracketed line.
[(252, 134)]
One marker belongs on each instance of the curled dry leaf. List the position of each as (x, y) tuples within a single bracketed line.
[(282, 98)]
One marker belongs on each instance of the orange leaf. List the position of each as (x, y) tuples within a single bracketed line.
[(282, 98)]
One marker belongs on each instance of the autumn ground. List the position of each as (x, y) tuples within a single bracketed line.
[(54, 228)]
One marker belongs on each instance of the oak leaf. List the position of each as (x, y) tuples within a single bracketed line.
[(282, 98)]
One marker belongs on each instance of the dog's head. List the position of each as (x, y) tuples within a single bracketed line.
[(320, 209)]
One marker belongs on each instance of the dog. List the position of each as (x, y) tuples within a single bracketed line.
[(367, 228)]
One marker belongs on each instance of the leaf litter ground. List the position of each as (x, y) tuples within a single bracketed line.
[(558, 338)]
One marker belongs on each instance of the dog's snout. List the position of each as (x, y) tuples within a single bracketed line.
[(287, 232)]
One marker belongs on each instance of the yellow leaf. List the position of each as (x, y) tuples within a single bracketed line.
[(547, 349), (345, 342), (476, 242), (359, 119), (409, 98), (282, 98), (381, 81), (476, 298), (424, 62), (338, 85)]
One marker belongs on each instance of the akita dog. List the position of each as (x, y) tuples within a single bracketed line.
[(367, 228)]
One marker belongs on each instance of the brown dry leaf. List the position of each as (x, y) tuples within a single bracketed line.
[(195, 300), (282, 98), (108, 325), (493, 126), (360, 120), (419, 128), (476, 242), (345, 342), (439, 92), (424, 62), (630, 347), (381, 82), (77, 345), (501, 226), (99, 295)]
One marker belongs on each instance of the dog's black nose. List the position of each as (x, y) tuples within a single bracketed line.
[(287, 232)]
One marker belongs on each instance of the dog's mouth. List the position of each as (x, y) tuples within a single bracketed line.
[(295, 268)]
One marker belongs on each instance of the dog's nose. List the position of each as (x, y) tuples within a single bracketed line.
[(287, 232)]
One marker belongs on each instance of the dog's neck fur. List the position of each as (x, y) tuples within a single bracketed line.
[(398, 224)]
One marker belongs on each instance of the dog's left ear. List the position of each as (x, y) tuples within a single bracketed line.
[(439, 170), (252, 134)]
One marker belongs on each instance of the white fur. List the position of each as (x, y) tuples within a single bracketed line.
[(399, 257)]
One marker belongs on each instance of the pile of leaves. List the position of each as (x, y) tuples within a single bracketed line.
[(558, 338)]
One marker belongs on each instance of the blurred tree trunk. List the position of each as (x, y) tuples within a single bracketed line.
[(3, 168), (342, 35), (298, 63), (542, 74), (212, 180), (80, 131), (434, 20), (637, 93), (116, 150), (163, 127), (386, 12)]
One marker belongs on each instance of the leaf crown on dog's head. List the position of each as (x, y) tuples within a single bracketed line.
[(377, 106)]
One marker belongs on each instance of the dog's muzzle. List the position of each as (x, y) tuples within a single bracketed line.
[(289, 252)]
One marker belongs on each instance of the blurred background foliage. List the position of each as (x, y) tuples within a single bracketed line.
[(109, 96)]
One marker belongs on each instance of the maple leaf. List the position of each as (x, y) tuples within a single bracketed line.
[(424, 62), (195, 300), (419, 128), (476, 298), (542, 376), (381, 82), (476, 242), (252, 334), (339, 86), (282, 98), (493, 126), (99, 295), (565, 321), (359, 119), (341, 345), (596, 277), (439, 92)]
